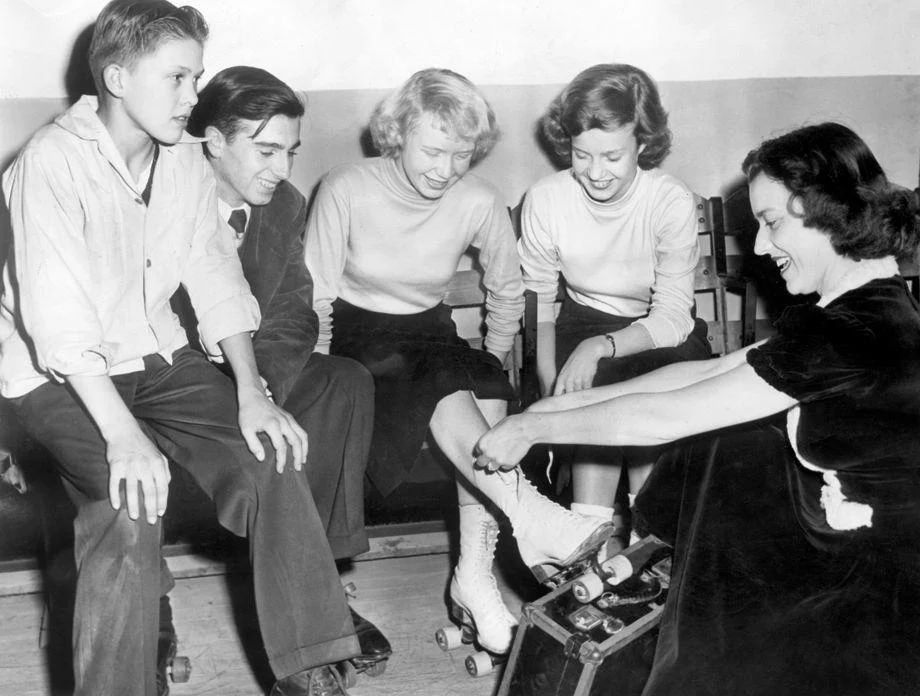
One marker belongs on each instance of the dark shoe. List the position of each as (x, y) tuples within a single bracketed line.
[(319, 681), (374, 645)]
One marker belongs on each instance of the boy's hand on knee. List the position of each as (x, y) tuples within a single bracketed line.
[(135, 460), (258, 414)]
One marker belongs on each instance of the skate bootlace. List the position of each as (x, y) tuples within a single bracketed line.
[(486, 583)]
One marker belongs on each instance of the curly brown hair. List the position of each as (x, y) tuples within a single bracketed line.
[(609, 96)]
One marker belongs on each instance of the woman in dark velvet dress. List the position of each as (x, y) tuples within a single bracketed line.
[(797, 537)]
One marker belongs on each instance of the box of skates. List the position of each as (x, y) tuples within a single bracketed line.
[(595, 632)]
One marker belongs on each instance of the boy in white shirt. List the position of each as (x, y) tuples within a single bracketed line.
[(112, 207)]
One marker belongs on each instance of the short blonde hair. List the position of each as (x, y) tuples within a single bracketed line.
[(448, 96)]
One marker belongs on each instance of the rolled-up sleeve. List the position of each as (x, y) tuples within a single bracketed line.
[(214, 280), (669, 321), (53, 272), (539, 260), (502, 278), (325, 249)]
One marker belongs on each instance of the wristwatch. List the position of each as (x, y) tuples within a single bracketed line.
[(613, 345)]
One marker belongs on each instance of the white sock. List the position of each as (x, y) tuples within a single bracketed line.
[(593, 510), (632, 499)]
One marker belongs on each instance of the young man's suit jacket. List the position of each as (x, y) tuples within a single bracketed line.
[(273, 263)]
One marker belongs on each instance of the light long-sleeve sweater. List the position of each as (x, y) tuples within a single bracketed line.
[(373, 241), (632, 257)]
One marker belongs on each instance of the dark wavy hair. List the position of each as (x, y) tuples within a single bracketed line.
[(842, 189), (127, 30), (609, 96), (242, 93)]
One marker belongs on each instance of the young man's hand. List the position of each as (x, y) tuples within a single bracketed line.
[(131, 456), (258, 414), (135, 460)]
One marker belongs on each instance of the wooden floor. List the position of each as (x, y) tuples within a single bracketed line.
[(216, 627)]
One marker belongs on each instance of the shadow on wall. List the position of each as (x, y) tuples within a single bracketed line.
[(368, 148), (78, 80)]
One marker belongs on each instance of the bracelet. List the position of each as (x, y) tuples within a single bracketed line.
[(613, 345)]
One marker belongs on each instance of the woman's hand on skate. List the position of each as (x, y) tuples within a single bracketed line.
[(506, 444)]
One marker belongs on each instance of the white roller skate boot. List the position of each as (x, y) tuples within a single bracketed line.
[(476, 601), (550, 538)]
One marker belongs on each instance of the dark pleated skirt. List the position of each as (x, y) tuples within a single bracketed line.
[(416, 360), (576, 322)]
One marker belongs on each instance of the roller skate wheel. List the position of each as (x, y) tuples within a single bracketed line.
[(375, 669), (478, 664), (180, 669), (588, 587), (349, 673), (449, 637)]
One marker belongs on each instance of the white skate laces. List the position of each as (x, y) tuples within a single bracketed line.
[(477, 601)]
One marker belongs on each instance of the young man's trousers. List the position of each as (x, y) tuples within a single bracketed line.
[(189, 411)]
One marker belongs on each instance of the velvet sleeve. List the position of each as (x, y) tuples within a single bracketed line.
[(819, 353)]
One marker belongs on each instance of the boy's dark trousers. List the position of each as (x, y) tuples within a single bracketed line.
[(189, 411), (333, 400)]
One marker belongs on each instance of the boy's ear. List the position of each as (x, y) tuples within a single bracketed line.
[(113, 79), (215, 141)]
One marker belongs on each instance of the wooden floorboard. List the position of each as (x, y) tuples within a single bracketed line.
[(217, 630)]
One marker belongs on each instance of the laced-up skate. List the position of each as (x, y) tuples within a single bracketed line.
[(550, 538), (477, 606)]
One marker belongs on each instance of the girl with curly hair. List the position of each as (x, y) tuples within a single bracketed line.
[(623, 235)]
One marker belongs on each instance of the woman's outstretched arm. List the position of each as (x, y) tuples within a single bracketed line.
[(729, 397), (667, 378)]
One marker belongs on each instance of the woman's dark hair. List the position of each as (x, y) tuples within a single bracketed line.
[(609, 96), (242, 93), (842, 189)]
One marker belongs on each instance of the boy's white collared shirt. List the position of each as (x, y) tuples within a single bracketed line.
[(96, 267), (224, 211)]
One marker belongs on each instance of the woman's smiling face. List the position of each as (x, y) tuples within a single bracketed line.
[(605, 162), (804, 255)]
